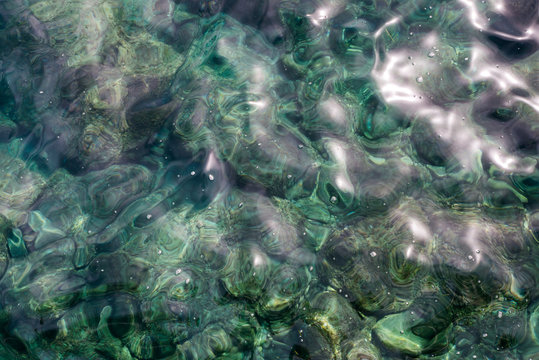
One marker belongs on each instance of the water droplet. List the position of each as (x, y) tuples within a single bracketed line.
[(41, 91), (372, 253), (333, 199), (431, 54), (500, 314), (149, 216), (192, 173), (160, 252), (478, 251), (419, 79), (300, 146), (178, 271), (485, 335), (211, 177), (240, 205)]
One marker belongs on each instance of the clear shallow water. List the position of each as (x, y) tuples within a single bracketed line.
[(269, 180)]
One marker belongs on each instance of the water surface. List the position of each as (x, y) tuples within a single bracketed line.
[(265, 179)]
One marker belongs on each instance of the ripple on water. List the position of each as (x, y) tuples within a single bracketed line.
[(226, 179)]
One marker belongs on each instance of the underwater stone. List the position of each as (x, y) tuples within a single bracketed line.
[(16, 244), (46, 231), (19, 186), (141, 347), (397, 332), (4, 247), (285, 286), (7, 128), (247, 272), (534, 325)]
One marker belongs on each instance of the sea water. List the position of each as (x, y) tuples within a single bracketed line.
[(265, 179)]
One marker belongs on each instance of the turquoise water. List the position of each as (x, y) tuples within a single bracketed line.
[(264, 179)]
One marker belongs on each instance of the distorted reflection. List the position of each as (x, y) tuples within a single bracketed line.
[(269, 179)]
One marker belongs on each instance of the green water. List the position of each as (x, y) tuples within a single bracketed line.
[(265, 179)]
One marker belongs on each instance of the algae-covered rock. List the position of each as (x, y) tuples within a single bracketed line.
[(413, 333)]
